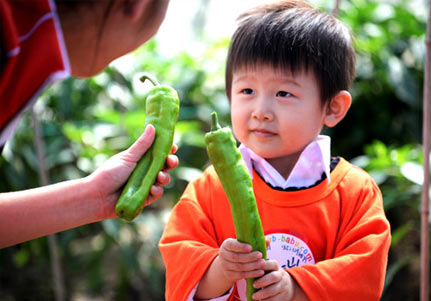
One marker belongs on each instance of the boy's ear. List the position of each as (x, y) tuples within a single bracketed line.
[(337, 108), (135, 9)]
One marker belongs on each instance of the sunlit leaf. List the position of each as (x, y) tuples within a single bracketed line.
[(413, 172), (72, 132), (188, 174), (404, 85)]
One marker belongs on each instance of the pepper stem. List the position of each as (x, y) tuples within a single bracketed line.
[(152, 79), (214, 122)]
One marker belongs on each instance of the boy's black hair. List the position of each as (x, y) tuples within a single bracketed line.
[(294, 36)]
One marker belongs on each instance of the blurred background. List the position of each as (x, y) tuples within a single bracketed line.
[(84, 122)]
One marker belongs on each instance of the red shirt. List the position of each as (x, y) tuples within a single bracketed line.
[(33, 56)]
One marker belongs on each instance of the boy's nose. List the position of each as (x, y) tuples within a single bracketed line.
[(263, 110)]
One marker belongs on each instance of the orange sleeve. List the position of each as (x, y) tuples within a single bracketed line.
[(357, 269), (188, 244)]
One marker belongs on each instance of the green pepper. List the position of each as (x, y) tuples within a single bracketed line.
[(237, 184), (161, 110)]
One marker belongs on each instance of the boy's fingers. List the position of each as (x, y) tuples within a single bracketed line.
[(267, 293), (250, 274), (266, 280), (267, 241), (237, 266), (235, 246), (271, 265), (237, 257)]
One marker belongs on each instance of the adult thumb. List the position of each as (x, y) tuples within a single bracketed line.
[(141, 145)]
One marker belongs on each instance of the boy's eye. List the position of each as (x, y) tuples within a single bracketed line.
[(247, 91), (283, 94)]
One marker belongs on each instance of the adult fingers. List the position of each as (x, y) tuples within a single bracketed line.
[(156, 193), (171, 162), (141, 145), (174, 149), (163, 178)]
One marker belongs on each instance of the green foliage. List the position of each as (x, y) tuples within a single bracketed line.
[(399, 173), (387, 93), (84, 122)]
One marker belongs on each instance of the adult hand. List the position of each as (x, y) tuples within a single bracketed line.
[(108, 180), (33, 213)]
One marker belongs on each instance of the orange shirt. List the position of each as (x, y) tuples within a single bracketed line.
[(333, 238)]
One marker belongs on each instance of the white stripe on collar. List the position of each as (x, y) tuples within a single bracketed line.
[(313, 161)]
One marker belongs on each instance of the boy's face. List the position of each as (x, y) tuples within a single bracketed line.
[(276, 115)]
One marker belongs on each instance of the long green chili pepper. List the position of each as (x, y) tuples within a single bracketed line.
[(237, 184), (161, 110)]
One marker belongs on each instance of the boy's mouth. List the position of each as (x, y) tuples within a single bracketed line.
[(262, 133)]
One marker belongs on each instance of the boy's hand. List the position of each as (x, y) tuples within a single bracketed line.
[(238, 261), (277, 284)]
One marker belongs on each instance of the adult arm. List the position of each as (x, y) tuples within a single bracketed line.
[(29, 214)]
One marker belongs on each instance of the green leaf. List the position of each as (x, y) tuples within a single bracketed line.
[(72, 132), (399, 233)]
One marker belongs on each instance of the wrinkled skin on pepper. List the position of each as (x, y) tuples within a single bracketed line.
[(161, 110), (237, 184)]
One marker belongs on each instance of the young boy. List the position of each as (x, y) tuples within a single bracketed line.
[(288, 71)]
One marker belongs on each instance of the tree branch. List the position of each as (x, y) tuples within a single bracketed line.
[(424, 274), (57, 272)]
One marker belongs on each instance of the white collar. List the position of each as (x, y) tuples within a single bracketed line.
[(313, 161)]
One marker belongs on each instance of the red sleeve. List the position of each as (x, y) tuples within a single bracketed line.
[(188, 244), (33, 56), (357, 269)]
